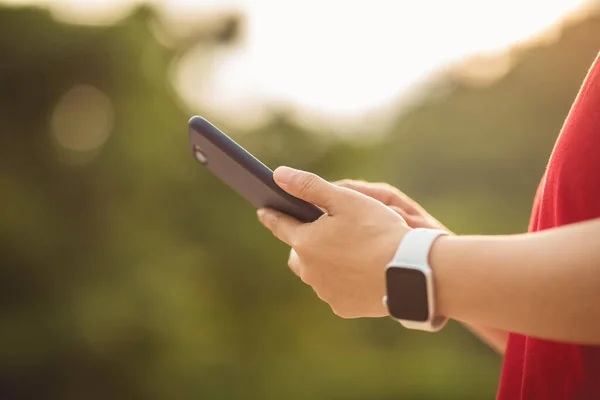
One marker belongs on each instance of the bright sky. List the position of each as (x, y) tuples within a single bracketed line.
[(334, 59)]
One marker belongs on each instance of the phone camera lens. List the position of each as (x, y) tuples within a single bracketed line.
[(200, 156)]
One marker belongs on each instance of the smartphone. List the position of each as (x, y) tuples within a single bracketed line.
[(243, 172)]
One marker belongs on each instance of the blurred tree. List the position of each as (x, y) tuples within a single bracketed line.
[(487, 148)]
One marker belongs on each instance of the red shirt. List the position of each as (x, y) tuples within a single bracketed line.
[(569, 192)]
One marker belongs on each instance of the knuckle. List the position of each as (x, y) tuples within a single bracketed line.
[(300, 245), (388, 193), (306, 183), (273, 222), (297, 247), (320, 296), (340, 312), (386, 186), (307, 276)]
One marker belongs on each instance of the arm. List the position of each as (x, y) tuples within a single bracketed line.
[(545, 284), (542, 284), (417, 217)]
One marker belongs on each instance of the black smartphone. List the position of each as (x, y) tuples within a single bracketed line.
[(243, 172)]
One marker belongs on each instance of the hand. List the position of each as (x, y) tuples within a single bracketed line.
[(344, 253), (414, 215)]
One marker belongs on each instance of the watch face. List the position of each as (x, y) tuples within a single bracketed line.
[(407, 294)]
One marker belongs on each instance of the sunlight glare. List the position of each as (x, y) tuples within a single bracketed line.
[(338, 59), (350, 58)]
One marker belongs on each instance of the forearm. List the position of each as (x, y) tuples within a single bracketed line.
[(496, 339), (545, 284)]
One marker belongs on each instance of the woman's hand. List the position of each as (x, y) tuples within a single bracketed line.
[(344, 253), (414, 215)]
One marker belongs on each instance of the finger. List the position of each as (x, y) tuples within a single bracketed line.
[(398, 211), (387, 194), (311, 188), (281, 225), (294, 262), (376, 191), (402, 213), (411, 220)]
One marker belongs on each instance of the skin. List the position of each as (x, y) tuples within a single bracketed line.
[(415, 217), (541, 284)]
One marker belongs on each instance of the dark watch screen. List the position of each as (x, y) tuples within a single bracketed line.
[(407, 294)]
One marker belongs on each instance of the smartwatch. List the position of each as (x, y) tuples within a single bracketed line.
[(410, 290)]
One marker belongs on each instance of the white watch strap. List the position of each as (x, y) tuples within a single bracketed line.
[(413, 252), (414, 248)]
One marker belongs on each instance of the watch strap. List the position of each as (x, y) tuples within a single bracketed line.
[(414, 249), (413, 252)]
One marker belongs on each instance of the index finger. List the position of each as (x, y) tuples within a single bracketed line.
[(375, 190), (284, 227)]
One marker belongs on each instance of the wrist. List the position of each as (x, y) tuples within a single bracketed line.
[(442, 255), (410, 282)]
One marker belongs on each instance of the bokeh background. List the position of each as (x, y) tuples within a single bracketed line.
[(129, 272)]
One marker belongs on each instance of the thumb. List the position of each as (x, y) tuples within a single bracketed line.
[(309, 187)]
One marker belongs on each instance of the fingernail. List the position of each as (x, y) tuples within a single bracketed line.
[(263, 217), (284, 174), (261, 214)]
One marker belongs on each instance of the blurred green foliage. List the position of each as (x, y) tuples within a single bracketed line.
[(140, 276)]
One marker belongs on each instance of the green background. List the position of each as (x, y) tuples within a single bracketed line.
[(134, 274)]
